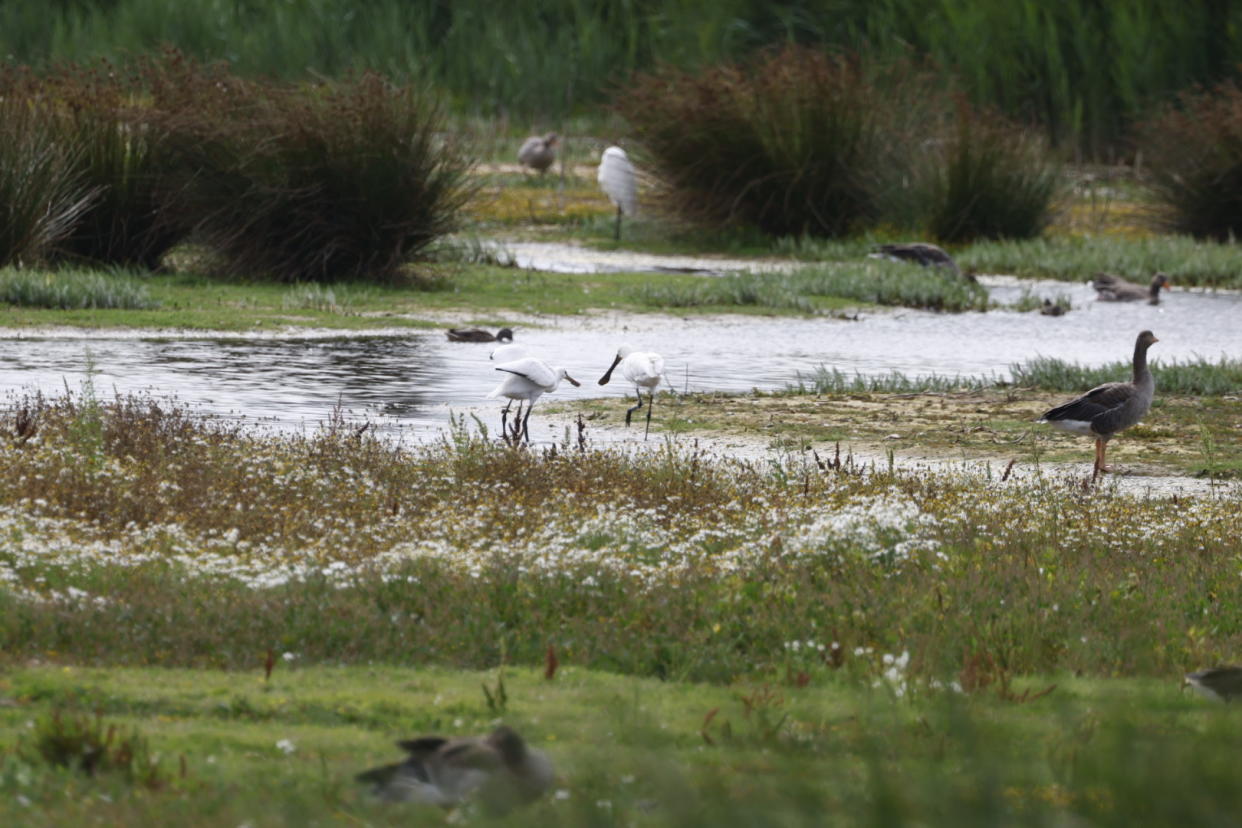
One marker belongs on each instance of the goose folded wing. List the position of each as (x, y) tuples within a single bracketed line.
[(1097, 401), (535, 370)]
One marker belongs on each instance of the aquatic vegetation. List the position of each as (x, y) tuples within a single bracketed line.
[(73, 288), (872, 281)]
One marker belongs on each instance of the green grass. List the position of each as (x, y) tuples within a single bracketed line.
[(634, 751), (74, 290), (869, 281)]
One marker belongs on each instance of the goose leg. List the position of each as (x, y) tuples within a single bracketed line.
[(1103, 449), (650, 405), (629, 412)]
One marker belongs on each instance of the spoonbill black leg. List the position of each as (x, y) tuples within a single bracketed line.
[(629, 412), (650, 405)]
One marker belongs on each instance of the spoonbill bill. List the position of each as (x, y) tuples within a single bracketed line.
[(644, 369), (618, 181), (529, 379)]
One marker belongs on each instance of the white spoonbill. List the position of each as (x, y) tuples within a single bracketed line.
[(644, 369), (508, 353), (529, 379), (617, 180)]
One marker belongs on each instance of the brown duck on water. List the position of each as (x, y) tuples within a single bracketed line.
[(1116, 289), (479, 335), (1109, 408)]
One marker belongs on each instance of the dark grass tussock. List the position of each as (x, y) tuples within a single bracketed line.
[(797, 142), (1193, 150), (344, 180), (803, 143), (42, 192), (138, 470), (990, 179), (120, 154)]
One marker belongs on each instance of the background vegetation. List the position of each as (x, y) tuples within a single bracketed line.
[(1082, 70)]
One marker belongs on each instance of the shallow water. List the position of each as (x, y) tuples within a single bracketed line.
[(413, 381)]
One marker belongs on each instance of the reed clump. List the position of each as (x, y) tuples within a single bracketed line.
[(799, 142), (1193, 149)]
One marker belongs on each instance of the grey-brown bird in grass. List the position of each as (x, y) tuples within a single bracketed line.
[(479, 335), (1110, 408), (1110, 288), (499, 770), (1216, 683), (921, 253), (539, 153)]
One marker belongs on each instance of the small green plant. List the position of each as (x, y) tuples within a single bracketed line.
[(68, 738)]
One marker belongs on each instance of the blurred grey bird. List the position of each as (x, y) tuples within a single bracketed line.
[(920, 253), (479, 335), (499, 770), (619, 181), (1112, 288), (1216, 683), (539, 153)]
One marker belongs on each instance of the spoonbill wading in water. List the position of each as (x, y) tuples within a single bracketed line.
[(500, 355), (644, 369), (529, 379), (617, 180)]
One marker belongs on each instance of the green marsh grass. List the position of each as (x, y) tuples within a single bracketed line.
[(1198, 377), (1082, 71), (872, 282), (1187, 262), (74, 289)]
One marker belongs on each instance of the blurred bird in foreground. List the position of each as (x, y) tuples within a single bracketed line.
[(1216, 683), (500, 771)]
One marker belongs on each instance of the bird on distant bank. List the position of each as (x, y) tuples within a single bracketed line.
[(1108, 409), (539, 153), (920, 253), (529, 378), (1216, 683), (644, 369), (479, 335), (1051, 308), (619, 182), (1110, 288), (500, 771)]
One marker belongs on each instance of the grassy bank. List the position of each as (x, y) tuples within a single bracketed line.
[(839, 750), (140, 535)]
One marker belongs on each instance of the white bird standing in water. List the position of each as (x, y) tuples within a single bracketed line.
[(618, 181), (643, 368), (501, 354), (529, 379)]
